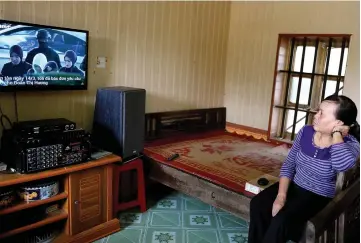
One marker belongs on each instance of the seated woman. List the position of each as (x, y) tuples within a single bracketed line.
[(308, 176)]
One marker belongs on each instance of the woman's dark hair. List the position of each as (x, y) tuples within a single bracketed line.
[(347, 113)]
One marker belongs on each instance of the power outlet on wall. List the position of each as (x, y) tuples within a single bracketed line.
[(101, 62)]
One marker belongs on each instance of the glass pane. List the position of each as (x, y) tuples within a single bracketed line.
[(301, 117), (335, 58), (308, 62), (305, 90), (341, 90), (331, 88)]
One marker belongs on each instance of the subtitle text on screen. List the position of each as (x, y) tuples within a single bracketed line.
[(36, 80)]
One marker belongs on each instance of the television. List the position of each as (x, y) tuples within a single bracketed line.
[(39, 57)]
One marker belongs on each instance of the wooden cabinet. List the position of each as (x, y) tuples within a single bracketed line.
[(88, 204), (86, 199)]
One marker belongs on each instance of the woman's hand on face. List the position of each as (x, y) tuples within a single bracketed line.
[(343, 129), (278, 204)]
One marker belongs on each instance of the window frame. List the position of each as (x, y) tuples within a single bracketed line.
[(283, 74)]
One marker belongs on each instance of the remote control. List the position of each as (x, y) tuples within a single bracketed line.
[(173, 157), (99, 154)]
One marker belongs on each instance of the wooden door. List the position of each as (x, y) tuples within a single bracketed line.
[(88, 199)]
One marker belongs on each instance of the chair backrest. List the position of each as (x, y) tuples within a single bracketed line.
[(344, 179)]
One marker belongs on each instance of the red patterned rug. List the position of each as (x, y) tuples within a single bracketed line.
[(225, 159)]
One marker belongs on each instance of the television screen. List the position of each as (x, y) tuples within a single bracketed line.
[(38, 57)]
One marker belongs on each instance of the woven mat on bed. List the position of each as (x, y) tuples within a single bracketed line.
[(228, 160)]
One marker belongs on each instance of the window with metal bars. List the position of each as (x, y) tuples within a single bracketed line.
[(308, 69)]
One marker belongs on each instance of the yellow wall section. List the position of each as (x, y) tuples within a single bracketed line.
[(176, 51), (252, 44)]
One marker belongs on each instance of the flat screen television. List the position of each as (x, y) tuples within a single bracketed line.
[(39, 57)]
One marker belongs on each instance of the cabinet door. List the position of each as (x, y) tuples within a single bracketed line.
[(88, 199)]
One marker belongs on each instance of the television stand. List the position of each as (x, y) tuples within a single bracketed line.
[(85, 210)]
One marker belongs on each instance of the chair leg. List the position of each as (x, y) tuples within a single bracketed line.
[(141, 200), (141, 189)]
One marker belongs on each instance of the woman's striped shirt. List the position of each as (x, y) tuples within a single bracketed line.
[(315, 169)]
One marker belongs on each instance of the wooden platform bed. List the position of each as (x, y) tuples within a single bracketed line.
[(217, 183), (166, 129)]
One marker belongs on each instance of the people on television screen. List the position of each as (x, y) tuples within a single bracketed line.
[(43, 38), (39, 62), (70, 58), (16, 67), (30, 72), (83, 64), (51, 67)]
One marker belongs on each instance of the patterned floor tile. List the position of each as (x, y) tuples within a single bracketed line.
[(165, 219), (218, 210), (126, 236), (155, 235), (185, 196), (192, 204), (99, 241), (234, 236), (227, 220), (133, 219), (202, 236), (168, 204), (174, 217), (199, 220)]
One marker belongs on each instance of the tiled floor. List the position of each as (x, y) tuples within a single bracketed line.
[(177, 218)]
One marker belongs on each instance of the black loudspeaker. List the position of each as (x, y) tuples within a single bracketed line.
[(119, 117)]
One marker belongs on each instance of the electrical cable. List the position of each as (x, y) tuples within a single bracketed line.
[(4, 118), (16, 107)]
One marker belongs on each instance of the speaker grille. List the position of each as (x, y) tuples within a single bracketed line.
[(119, 118), (133, 128)]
